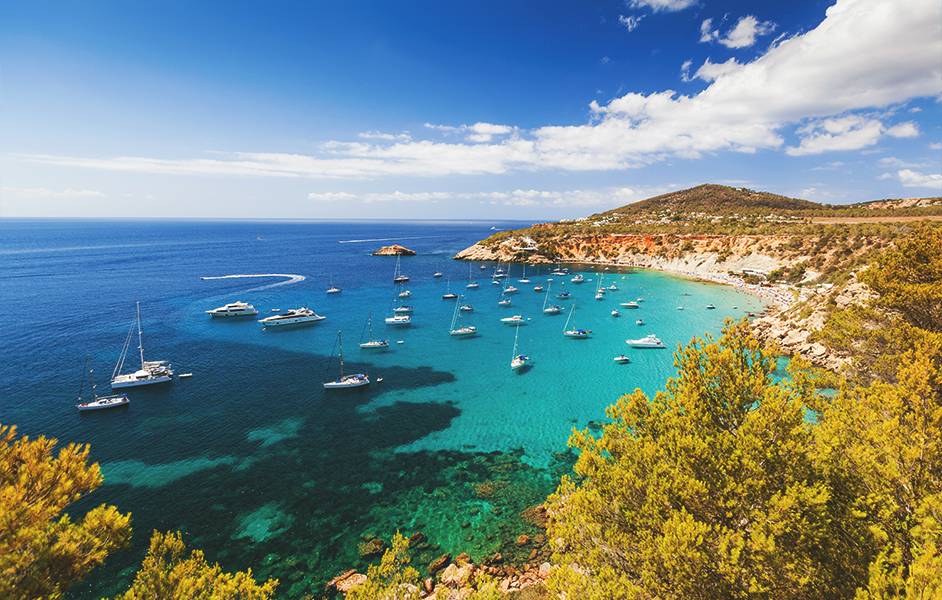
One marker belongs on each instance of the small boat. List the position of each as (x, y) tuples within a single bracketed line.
[(514, 320), (98, 403), (184, 375), (639, 322), (456, 328), (437, 274), (374, 344), (347, 381), (649, 341), (574, 332), (710, 306), (405, 294), (538, 288), (613, 287), (578, 279), (621, 358), (471, 284), (518, 360), (403, 309), (297, 316), (524, 280), (466, 308), (333, 289), (510, 290), (504, 302), (640, 299), (154, 371), (630, 305), (615, 312), (398, 277), (495, 281), (680, 308), (562, 294), (236, 309)]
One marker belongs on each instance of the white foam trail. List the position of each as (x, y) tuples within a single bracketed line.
[(424, 237), (291, 279)]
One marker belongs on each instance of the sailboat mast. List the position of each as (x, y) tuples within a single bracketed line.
[(140, 339), (340, 343)]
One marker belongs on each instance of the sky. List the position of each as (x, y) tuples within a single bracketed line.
[(326, 109)]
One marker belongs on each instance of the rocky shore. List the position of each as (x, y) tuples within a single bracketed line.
[(456, 578)]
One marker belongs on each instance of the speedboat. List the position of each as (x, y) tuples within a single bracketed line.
[(466, 308), (295, 316), (615, 312), (538, 288), (399, 320), (710, 306), (552, 310), (630, 305), (402, 309), (577, 279), (639, 322), (621, 358), (646, 342), (514, 320), (236, 309), (405, 294)]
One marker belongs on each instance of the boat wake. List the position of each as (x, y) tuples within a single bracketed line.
[(423, 237), (291, 279)]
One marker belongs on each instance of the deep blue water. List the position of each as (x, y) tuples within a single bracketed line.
[(251, 458)]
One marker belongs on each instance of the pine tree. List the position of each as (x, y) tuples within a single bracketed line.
[(42, 552)]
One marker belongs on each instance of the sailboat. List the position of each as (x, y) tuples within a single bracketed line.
[(150, 372), (333, 289), (456, 320), (349, 380), (574, 333), (398, 277), (374, 344), (562, 294), (550, 310), (518, 360), (471, 284), (437, 272), (503, 300), (448, 295), (524, 280), (98, 403), (600, 290)]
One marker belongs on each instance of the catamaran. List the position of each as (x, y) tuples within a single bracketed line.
[(347, 381), (155, 371), (98, 403)]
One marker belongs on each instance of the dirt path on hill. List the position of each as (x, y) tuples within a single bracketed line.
[(833, 220)]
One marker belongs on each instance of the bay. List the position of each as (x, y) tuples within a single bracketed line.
[(251, 458)]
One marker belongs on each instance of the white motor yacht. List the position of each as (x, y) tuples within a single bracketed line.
[(649, 341), (295, 316), (236, 309)]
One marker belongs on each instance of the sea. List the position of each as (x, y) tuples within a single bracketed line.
[(251, 458)]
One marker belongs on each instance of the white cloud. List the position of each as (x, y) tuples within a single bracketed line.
[(631, 22), (745, 32), (903, 130), (914, 179), (662, 5), (845, 133), (707, 34), (828, 82), (330, 196), (935, 146), (376, 135), (891, 162)]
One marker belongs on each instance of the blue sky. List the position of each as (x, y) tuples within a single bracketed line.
[(484, 110)]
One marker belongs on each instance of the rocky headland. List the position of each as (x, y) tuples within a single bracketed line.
[(394, 250)]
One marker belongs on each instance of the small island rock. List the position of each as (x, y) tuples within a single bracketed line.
[(394, 250)]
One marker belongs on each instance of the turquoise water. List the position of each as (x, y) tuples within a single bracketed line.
[(251, 458)]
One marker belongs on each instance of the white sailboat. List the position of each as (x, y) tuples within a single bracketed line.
[(574, 332), (398, 277), (448, 295), (503, 300), (524, 280), (471, 283), (347, 381), (333, 289), (155, 371), (456, 328), (98, 403), (518, 360), (437, 272), (550, 310), (374, 344), (563, 295)]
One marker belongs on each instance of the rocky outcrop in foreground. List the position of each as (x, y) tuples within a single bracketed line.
[(394, 250)]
